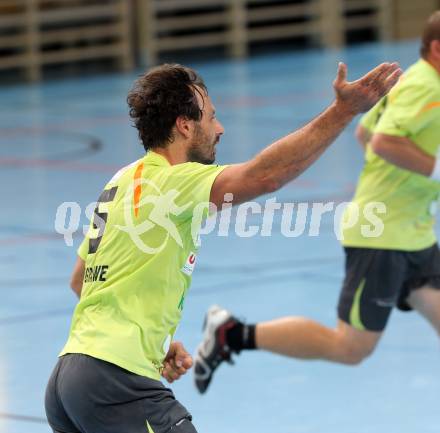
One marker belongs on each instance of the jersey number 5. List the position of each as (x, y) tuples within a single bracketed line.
[(100, 218)]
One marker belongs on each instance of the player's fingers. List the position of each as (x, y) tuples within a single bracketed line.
[(393, 78), (187, 362), (166, 372), (178, 366), (182, 358), (171, 375), (177, 372), (341, 75), (380, 80), (180, 351), (375, 73), (166, 368), (174, 375)]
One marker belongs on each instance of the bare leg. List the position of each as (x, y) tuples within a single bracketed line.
[(303, 338), (427, 302)]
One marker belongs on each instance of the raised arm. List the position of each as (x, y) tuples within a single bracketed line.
[(288, 157), (404, 153)]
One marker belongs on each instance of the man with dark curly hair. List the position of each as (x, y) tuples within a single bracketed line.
[(135, 264)]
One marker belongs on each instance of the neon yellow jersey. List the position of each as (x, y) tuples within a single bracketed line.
[(139, 255), (412, 110)]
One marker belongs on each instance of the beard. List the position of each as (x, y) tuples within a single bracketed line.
[(202, 149)]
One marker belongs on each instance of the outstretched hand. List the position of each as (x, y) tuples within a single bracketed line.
[(177, 362), (361, 95)]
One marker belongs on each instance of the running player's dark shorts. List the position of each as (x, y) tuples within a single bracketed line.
[(376, 281), (87, 395)]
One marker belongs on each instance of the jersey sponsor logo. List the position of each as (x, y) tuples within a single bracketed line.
[(95, 273), (188, 267), (164, 205)]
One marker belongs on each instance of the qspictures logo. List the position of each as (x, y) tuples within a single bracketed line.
[(163, 207), (158, 224)]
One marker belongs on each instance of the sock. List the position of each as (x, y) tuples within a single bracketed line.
[(241, 336)]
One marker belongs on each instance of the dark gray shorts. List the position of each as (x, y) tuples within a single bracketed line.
[(88, 395), (387, 278)]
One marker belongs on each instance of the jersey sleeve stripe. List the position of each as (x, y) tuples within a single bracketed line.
[(429, 107)]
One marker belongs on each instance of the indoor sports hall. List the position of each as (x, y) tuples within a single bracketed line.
[(65, 130)]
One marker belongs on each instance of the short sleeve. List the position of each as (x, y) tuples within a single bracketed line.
[(193, 182), (83, 249), (411, 110)]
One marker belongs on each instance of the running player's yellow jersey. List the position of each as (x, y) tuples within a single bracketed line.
[(139, 254), (412, 110)]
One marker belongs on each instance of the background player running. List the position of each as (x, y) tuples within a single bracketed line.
[(401, 267), (140, 252)]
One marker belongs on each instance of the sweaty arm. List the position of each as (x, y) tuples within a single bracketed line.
[(289, 156), (76, 281), (403, 153)]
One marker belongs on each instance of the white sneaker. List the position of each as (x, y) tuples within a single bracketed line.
[(213, 350)]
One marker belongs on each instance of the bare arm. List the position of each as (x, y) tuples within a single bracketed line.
[(288, 157), (403, 153), (363, 135), (76, 281)]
